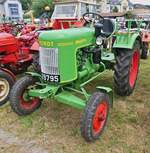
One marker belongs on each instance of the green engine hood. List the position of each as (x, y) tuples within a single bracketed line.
[(67, 42), (70, 37)]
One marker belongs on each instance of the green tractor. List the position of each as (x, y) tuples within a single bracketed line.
[(72, 58)]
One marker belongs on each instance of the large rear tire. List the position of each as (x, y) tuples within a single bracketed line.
[(6, 82), (95, 116), (20, 102), (126, 70)]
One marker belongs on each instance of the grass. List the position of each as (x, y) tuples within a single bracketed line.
[(56, 127)]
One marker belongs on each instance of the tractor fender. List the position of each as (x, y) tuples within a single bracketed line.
[(9, 72), (126, 40), (108, 91)]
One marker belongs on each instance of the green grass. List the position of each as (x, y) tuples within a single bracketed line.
[(56, 127)]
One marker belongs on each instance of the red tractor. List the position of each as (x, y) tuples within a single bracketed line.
[(14, 58), (12, 28), (69, 13), (146, 41)]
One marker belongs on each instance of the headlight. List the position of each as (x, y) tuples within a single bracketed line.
[(99, 41)]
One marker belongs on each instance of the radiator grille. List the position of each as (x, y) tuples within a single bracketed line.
[(49, 60)]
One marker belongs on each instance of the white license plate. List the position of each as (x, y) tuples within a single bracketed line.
[(51, 78)]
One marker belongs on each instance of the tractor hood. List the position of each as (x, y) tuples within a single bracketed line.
[(58, 49), (7, 39), (69, 37), (8, 43)]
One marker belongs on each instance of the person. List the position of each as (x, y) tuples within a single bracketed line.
[(4, 18)]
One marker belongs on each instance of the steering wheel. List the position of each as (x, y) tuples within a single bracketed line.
[(92, 17)]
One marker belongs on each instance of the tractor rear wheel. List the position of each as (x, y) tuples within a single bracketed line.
[(20, 102), (126, 70), (95, 116), (6, 82)]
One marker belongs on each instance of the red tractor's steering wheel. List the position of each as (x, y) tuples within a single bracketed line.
[(91, 17)]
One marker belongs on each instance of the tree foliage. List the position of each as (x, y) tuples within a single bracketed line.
[(39, 7), (26, 4), (115, 9), (129, 15)]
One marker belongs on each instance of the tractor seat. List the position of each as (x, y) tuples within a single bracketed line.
[(108, 28)]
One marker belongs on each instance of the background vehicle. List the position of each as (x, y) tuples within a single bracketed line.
[(68, 13), (14, 58), (146, 40)]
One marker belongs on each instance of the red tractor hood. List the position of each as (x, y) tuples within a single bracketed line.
[(8, 42), (7, 39)]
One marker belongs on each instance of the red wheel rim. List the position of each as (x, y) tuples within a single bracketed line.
[(134, 68), (30, 104), (100, 117)]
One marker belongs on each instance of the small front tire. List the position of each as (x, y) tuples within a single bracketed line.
[(95, 116), (20, 104)]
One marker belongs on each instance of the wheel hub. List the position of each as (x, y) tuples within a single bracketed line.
[(27, 102), (134, 68), (4, 89), (100, 117)]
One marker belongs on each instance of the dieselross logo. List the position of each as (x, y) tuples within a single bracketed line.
[(46, 43), (61, 44)]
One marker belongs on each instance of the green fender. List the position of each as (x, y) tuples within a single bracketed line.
[(125, 40), (107, 91)]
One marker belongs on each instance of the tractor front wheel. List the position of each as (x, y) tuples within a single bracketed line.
[(6, 82), (95, 116), (20, 101), (126, 70)]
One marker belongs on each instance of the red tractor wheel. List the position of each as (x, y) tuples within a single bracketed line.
[(134, 65), (126, 70), (6, 82), (20, 102), (95, 116)]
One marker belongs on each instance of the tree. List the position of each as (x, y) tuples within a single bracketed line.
[(39, 7), (115, 9), (26, 4), (129, 15)]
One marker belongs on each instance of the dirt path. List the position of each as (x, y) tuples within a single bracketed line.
[(8, 140)]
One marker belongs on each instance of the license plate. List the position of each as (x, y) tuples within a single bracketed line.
[(51, 78)]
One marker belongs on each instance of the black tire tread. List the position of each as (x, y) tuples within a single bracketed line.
[(121, 71), (17, 89), (87, 117)]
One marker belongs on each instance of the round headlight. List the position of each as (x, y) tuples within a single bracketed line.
[(99, 41)]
